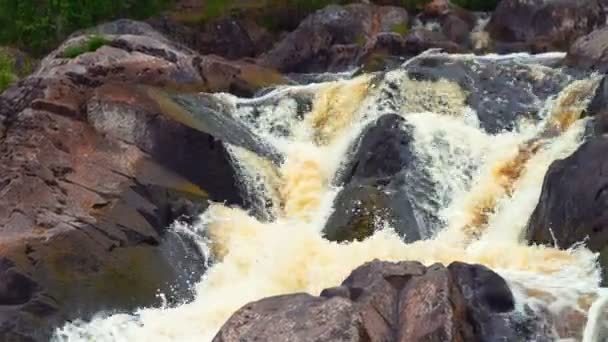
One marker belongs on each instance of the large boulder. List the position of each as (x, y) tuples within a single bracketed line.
[(334, 38), (374, 185), (545, 25), (383, 301), (589, 52), (573, 204), (232, 37), (94, 168)]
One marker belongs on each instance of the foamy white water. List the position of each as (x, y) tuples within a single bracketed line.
[(485, 188)]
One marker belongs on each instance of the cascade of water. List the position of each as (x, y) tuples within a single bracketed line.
[(483, 188)]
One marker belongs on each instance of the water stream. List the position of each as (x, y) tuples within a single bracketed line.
[(484, 188)]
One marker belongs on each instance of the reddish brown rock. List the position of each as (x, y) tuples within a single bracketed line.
[(545, 25), (590, 52), (383, 301), (92, 173)]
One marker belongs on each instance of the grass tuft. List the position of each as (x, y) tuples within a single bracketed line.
[(91, 44), (7, 72)]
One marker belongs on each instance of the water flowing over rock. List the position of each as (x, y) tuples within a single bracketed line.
[(383, 301), (482, 81), (175, 151)]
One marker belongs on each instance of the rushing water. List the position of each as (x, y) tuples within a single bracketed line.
[(485, 187)]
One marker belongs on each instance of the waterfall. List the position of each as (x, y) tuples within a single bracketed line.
[(482, 189)]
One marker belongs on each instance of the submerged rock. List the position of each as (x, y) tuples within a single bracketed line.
[(374, 185), (573, 205), (545, 25), (383, 301)]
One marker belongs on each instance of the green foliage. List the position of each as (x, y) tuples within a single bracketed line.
[(400, 29), (37, 26), (7, 73), (477, 5), (91, 44)]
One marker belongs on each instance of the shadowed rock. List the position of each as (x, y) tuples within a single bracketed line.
[(589, 52), (573, 203), (374, 185), (543, 25)]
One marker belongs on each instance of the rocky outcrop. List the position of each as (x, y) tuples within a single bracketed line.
[(335, 38), (481, 82), (573, 204), (230, 37), (93, 171), (541, 25), (374, 185), (590, 52), (383, 301)]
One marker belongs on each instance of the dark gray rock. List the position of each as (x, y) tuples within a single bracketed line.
[(574, 200), (374, 185), (483, 80)]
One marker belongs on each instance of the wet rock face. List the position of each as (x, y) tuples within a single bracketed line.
[(598, 108), (545, 25), (374, 185), (92, 174), (589, 52), (334, 38), (483, 83), (383, 301), (573, 203)]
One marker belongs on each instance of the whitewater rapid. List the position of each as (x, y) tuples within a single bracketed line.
[(485, 189)]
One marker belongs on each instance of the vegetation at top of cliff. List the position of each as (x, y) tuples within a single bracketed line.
[(91, 44), (37, 26), (7, 72)]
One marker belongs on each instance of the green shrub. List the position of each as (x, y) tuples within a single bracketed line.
[(37, 26), (7, 74), (91, 44)]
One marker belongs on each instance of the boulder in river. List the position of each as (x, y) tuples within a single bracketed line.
[(374, 185), (384, 301), (573, 205)]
